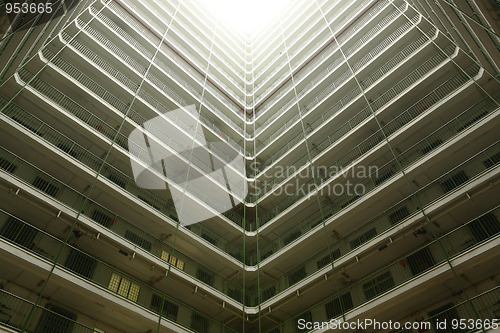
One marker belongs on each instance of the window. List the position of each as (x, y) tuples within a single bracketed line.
[(7, 166), (315, 224), (399, 215), (149, 202), (307, 316), (323, 261), (199, 323), (378, 285), (208, 238), (180, 264), (334, 309), (492, 161), (327, 216), (204, 276), (18, 232), (420, 261), (454, 181), (67, 149), (445, 313), (80, 263), (363, 238), (384, 177), (265, 254), (101, 218), (236, 255), (326, 259), (116, 179), (296, 276), (170, 310), (124, 287), (291, 237), (55, 320), (45, 186), (432, 146), (484, 227), (350, 201), (234, 294), (138, 240), (172, 260), (268, 293)]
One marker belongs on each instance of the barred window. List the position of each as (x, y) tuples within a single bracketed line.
[(378, 285), (124, 287), (165, 256)]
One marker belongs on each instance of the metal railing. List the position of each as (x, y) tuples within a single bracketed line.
[(350, 243), (163, 49), (483, 227), (397, 214), (74, 199), (160, 65), (426, 145), (14, 311), (101, 215), (100, 273), (136, 150), (323, 117), (311, 36), (429, 193), (321, 97), (349, 126), (407, 268), (117, 10), (342, 39), (152, 79)]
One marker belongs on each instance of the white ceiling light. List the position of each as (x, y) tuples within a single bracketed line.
[(247, 16)]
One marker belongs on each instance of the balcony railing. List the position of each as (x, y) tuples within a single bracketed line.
[(152, 79), (385, 173), (105, 218), (388, 219), (158, 63), (311, 35), (364, 114), (332, 87), (336, 108), (101, 274), (466, 119), (268, 41), (164, 207), (342, 39), (14, 312), (136, 25), (407, 268), (153, 131), (344, 36), (228, 38), (484, 227), (469, 117), (434, 140)]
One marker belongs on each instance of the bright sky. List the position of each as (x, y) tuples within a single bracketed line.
[(247, 16)]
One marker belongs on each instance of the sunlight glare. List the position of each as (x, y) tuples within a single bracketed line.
[(247, 16)]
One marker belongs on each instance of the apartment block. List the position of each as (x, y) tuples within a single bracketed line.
[(366, 184)]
